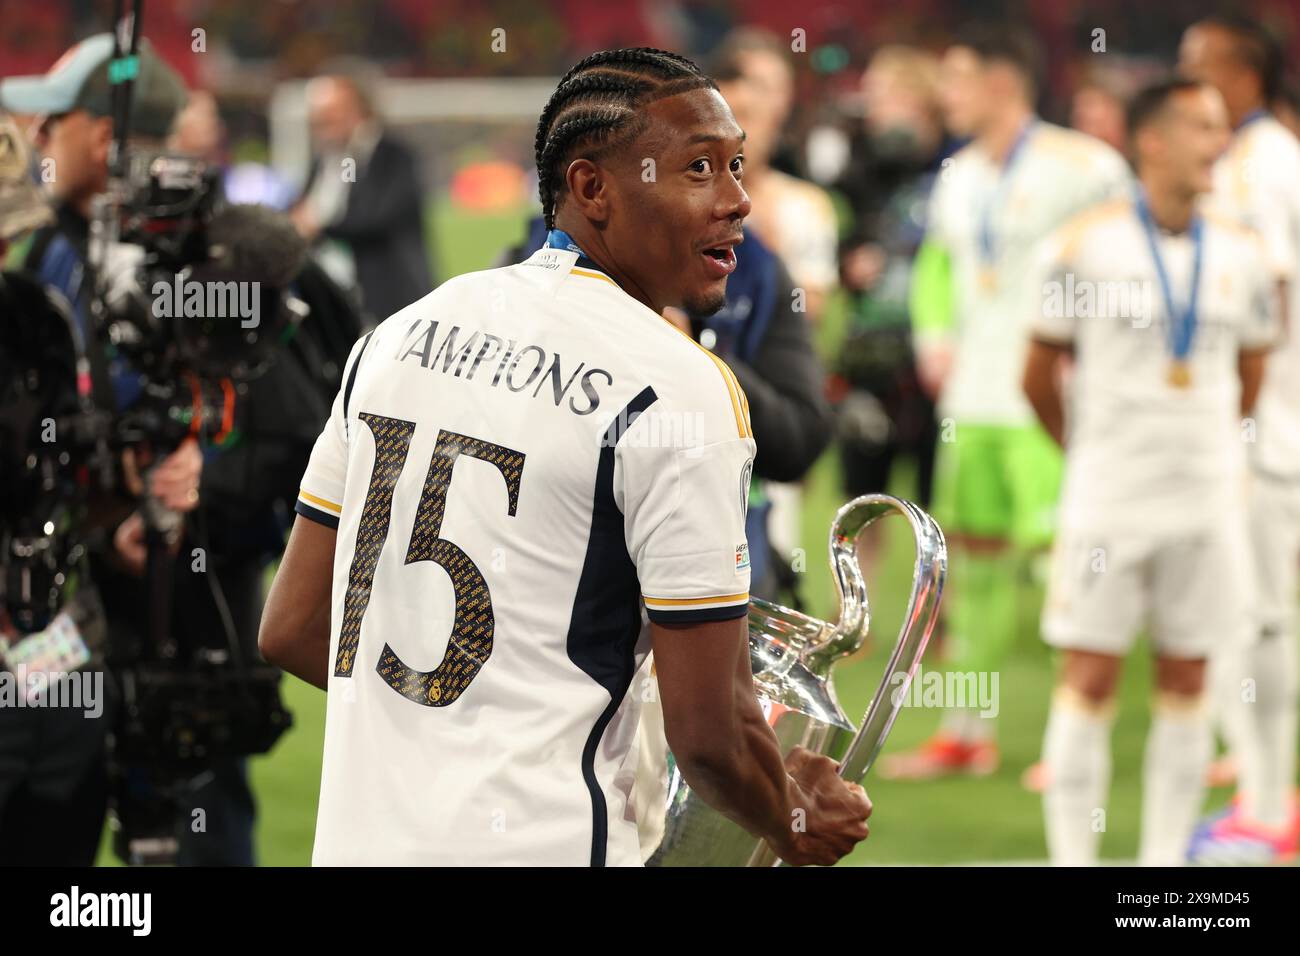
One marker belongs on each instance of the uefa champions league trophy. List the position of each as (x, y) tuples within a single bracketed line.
[(793, 655)]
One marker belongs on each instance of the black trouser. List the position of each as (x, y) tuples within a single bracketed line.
[(53, 783), (222, 792)]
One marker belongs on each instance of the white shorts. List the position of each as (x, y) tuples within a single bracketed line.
[(1192, 589)]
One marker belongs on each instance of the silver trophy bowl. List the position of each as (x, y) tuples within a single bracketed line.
[(793, 656)]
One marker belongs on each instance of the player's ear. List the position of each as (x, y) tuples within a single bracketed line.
[(588, 189)]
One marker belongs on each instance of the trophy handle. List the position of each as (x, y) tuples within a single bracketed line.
[(928, 575), (850, 633)]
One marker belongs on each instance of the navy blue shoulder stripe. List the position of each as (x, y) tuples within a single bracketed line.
[(606, 617), (352, 378)]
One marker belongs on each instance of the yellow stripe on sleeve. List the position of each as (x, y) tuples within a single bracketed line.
[(696, 602), (327, 505)]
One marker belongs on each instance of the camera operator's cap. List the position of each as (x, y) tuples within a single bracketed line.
[(80, 81)]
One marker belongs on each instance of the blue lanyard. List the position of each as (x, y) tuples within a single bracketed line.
[(1182, 325), (986, 243), (559, 239)]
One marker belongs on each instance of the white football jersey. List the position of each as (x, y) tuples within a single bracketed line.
[(1145, 455), (518, 465), (1257, 181), (1056, 173)]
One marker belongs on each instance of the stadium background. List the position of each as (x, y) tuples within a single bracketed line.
[(481, 190)]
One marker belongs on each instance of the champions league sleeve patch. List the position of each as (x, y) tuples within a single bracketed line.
[(742, 557)]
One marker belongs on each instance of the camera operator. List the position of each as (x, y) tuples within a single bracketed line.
[(63, 786), (235, 526), (53, 783)]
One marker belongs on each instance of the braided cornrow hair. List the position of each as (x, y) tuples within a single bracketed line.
[(598, 104)]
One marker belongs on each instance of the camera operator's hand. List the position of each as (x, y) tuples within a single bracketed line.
[(305, 221), (129, 544), (175, 482)]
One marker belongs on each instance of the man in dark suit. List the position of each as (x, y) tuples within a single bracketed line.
[(363, 201)]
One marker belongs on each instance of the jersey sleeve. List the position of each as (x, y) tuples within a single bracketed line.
[(320, 493), (1055, 259), (931, 294), (684, 504), (930, 297)]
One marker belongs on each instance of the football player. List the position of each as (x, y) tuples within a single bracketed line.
[(1255, 680), (517, 467), (1168, 314), (997, 473)]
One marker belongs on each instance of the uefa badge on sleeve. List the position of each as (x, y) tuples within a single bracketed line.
[(742, 557)]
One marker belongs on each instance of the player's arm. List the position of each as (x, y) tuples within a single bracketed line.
[(729, 755), (295, 631), (1052, 331), (714, 725), (932, 305), (684, 521), (1250, 367), (1042, 384)]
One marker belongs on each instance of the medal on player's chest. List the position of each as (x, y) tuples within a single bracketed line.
[(1180, 374), (1180, 323)]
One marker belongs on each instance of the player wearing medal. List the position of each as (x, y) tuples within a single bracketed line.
[(1256, 181), (1167, 314), (997, 472), (500, 494)]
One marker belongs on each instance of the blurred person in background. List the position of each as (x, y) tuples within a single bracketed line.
[(363, 203), (1254, 679), (1152, 523), (201, 132), (791, 217), (1097, 108), (972, 292), (883, 413), (67, 788), (53, 778), (240, 518)]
